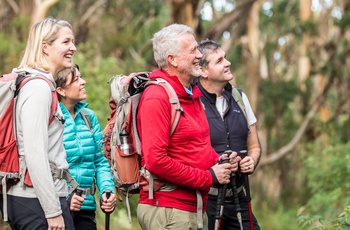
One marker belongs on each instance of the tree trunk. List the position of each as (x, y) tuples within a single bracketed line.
[(252, 56), (304, 62), (41, 7), (183, 12)]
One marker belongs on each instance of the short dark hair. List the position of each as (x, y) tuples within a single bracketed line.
[(206, 47), (62, 80)]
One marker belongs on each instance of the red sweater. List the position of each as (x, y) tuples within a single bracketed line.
[(183, 158)]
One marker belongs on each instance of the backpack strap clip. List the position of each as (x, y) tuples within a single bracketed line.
[(62, 174)]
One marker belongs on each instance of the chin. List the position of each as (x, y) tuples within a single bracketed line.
[(68, 64), (197, 73)]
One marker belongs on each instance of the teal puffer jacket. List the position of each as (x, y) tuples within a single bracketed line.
[(87, 163)]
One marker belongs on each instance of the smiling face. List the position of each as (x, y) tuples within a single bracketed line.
[(218, 68), (73, 89), (187, 59), (60, 52)]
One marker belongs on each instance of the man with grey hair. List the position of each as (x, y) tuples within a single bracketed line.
[(184, 161)]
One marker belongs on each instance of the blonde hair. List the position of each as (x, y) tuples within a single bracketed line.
[(43, 31)]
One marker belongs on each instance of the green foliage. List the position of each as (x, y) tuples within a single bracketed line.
[(115, 39), (9, 52), (272, 19), (234, 55), (96, 73), (344, 22), (20, 27), (342, 222), (278, 95), (284, 217), (149, 8), (119, 218), (309, 27), (329, 192)]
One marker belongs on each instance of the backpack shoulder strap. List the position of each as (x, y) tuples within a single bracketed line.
[(86, 118), (173, 99), (54, 103), (236, 94)]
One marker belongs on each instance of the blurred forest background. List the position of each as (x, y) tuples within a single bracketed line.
[(291, 57)]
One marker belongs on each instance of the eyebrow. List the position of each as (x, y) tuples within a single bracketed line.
[(194, 48), (219, 59)]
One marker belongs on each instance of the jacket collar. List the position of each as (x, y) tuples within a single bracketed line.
[(211, 97), (78, 107), (37, 72), (174, 81)]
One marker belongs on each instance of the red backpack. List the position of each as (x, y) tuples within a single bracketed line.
[(10, 85)]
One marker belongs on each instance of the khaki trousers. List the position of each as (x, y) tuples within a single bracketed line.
[(158, 218)]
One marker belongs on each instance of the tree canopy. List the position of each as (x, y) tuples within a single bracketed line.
[(291, 57)]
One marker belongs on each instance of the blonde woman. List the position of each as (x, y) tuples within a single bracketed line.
[(43, 205)]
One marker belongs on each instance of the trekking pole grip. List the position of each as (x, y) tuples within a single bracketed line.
[(243, 154), (220, 199), (108, 194)]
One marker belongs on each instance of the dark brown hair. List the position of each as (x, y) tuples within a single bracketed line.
[(206, 47), (62, 77)]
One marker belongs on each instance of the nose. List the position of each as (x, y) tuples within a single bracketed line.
[(199, 55), (228, 63), (73, 47)]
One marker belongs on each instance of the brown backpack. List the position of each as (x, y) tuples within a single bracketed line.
[(121, 140)]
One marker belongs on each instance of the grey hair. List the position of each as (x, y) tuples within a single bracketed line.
[(206, 47), (166, 41)]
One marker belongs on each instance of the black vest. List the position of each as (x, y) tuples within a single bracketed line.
[(230, 133)]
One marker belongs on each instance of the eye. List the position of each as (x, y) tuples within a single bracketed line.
[(68, 41), (193, 50)]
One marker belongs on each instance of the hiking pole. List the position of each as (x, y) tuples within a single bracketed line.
[(235, 194), (243, 154), (236, 200), (220, 200), (108, 194)]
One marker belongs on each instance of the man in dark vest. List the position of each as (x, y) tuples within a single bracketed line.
[(232, 127)]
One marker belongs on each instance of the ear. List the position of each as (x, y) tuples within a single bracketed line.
[(205, 73), (44, 47), (172, 60), (61, 91)]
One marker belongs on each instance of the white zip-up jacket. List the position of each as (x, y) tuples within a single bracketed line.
[(40, 143)]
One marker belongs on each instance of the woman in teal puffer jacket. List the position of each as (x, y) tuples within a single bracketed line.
[(83, 141)]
